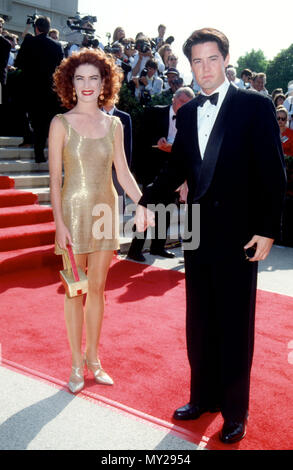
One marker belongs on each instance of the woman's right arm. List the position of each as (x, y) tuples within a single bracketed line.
[(56, 143)]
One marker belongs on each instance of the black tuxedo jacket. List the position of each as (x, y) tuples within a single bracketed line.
[(5, 47), (152, 160), (240, 182), (125, 118), (38, 58)]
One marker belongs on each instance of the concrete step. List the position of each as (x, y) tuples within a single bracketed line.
[(10, 141), (42, 193), (31, 180), (15, 153), (21, 166)]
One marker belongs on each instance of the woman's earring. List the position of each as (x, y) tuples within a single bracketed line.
[(101, 96), (74, 94)]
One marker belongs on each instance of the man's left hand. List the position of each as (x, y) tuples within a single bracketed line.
[(263, 247), (164, 145)]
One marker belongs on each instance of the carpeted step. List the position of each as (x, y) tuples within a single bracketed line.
[(25, 236), (25, 215), (13, 197), (6, 182), (33, 257)]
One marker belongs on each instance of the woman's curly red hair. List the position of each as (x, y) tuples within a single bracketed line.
[(110, 73)]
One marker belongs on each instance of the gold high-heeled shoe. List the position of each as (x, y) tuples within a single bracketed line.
[(100, 375), (76, 380)]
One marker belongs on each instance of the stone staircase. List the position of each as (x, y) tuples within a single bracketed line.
[(19, 164)]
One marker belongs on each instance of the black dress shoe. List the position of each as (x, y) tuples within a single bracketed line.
[(163, 253), (136, 257), (233, 431), (191, 411)]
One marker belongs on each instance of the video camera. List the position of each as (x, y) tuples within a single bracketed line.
[(113, 49), (31, 18), (82, 30)]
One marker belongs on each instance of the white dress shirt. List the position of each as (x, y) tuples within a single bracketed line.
[(207, 115), (172, 126)]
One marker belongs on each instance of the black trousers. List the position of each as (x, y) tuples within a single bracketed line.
[(158, 242), (220, 298), (40, 115)]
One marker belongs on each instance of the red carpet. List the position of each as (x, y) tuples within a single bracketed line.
[(143, 348), (27, 230)]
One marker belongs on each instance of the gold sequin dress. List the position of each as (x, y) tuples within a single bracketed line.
[(89, 199)]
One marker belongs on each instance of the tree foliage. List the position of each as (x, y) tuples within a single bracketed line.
[(280, 70), (253, 60)]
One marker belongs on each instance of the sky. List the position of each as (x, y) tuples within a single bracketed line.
[(248, 25)]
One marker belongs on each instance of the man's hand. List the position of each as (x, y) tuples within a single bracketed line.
[(183, 191), (164, 145), (143, 218), (144, 80), (263, 247)]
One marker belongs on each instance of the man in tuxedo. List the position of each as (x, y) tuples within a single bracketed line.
[(234, 166), (38, 58), (159, 130), (125, 118), (5, 48)]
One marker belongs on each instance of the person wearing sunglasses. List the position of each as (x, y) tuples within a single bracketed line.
[(287, 144), (286, 133)]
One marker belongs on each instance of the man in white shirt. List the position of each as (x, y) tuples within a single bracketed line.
[(244, 81), (231, 75), (148, 82), (144, 53)]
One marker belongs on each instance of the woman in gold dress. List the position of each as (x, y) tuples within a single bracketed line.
[(87, 142)]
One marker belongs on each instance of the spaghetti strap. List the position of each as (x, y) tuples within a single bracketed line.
[(64, 120), (115, 120)]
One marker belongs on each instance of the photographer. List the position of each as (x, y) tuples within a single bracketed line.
[(144, 49), (129, 52), (148, 84), (117, 50), (38, 58), (159, 41)]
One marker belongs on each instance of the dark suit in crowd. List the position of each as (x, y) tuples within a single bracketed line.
[(38, 58), (150, 163), (240, 185), (5, 47), (125, 119)]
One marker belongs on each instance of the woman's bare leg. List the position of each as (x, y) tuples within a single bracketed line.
[(74, 318), (98, 266)]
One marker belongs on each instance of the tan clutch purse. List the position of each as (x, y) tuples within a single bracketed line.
[(73, 278)]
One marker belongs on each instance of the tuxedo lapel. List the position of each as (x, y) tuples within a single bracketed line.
[(191, 130), (214, 145)]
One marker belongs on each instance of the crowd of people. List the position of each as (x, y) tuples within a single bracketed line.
[(151, 74)]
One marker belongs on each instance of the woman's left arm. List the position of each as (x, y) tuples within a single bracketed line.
[(124, 176)]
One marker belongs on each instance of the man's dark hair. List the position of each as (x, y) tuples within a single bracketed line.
[(201, 36), (246, 72), (153, 64), (43, 23)]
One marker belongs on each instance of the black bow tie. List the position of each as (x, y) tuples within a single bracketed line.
[(174, 117), (201, 99)]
